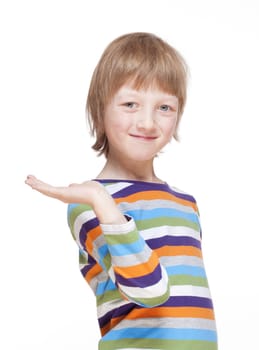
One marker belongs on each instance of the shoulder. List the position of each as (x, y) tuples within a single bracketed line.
[(182, 193), (184, 197)]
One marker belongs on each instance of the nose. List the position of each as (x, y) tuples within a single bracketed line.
[(146, 120)]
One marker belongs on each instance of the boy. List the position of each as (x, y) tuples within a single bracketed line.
[(139, 238)]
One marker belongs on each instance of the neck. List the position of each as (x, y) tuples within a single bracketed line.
[(142, 171)]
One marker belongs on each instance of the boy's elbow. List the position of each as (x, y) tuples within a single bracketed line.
[(154, 301), (148, 296)]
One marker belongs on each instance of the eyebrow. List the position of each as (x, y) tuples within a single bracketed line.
[(135, 93)]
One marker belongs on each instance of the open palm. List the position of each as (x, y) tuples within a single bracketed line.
[(74, 193)]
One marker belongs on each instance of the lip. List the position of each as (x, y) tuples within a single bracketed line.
[(144, 137)]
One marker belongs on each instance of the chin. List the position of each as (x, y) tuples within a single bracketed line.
[(139, 156)]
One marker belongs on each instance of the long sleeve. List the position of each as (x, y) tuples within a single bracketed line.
[(123, 254), (135, 267)]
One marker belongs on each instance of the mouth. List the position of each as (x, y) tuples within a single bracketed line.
[(144, 137)]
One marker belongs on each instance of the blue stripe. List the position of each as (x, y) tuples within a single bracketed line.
[(127, 249), (70, 207), (186, 270), (102, 252), (162, 212), (105, 286), (162, 333)]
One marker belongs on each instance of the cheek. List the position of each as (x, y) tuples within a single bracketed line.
[(115, 126), (169, 128), (116, 123)]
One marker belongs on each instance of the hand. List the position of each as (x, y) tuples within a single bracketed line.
[(89, 192), (74, 193)]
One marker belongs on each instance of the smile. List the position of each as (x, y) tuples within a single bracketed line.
[(144, 137)]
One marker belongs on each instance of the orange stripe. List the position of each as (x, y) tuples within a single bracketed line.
[(160, 312), (113, 322), (140, 269), (171, 312), (95, 270), (91, 237), (178, 250), (149, 195), (105, 329)]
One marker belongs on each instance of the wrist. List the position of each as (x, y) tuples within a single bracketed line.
[(105, 207)]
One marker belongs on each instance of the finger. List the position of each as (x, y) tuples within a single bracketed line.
[(30, 180), (73, 184), (33, 181)]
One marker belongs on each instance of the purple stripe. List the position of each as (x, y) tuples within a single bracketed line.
[(85, 269), (138, 186), (86, 227), (189, 301), (182, 195), (127, 191), (173, 241), (91, 262), (118, 312), (142, 281)]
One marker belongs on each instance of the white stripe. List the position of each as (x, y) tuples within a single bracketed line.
[(189, 290), (181, 260), (109, 306), (132, 259), (101, 277), (158, 232), (149, 204), (177, 190), (167, 322), (112, 274), (80, 220), (119, 228), (116, 187)]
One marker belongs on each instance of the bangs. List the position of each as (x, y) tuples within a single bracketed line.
[(162, 80), (147, 65)]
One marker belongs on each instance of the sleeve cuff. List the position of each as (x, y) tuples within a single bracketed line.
[(120, 228)]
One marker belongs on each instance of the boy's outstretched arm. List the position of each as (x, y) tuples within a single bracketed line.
[(118, 231), (89, 192)]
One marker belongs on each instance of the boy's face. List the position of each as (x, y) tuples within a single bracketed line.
[(139, 123)]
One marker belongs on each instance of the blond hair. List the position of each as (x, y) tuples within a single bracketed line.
[(142, 59)]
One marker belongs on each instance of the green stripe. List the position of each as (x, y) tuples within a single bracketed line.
[(108, 296), (160, 344), (151, 302), (179, 280), (107, 261), (152, 223), (126, 238), (74, 214), (82, 259)]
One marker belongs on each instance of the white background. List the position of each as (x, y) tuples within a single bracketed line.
[(48, 52)]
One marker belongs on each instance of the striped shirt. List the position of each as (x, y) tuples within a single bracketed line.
[(148, 274)]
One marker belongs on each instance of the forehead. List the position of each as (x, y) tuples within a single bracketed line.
[(128, 90)]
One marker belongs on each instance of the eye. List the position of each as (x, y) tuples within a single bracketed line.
[(130, 104), (165, 108)]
